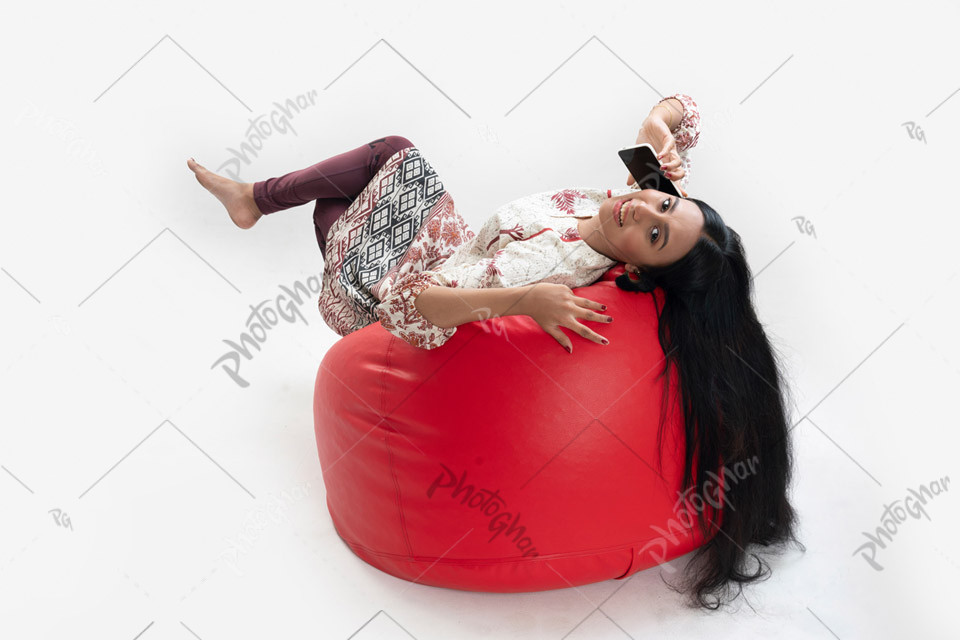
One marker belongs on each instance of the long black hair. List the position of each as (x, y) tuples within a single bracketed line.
[(734, 397)]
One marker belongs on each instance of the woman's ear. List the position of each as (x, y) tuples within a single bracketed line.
[(638, 278)]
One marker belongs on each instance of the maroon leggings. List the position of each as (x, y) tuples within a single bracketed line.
[(334, 183)]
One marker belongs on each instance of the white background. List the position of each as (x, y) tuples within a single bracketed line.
[(121, 277)]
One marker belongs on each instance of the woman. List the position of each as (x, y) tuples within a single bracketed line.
[(396, 250)]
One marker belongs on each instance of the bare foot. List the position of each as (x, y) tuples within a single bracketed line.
[(237, 197)]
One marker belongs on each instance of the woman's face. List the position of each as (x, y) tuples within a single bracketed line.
[(649, 227)]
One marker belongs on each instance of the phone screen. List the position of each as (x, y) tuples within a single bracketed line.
[(643, 165)]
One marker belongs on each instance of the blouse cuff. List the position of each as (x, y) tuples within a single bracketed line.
[(688, 131), (398, 313)]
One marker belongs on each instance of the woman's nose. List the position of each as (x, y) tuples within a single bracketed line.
[(644, 210), (653, 210)]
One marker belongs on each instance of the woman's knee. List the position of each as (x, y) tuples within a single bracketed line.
[(397, 142), (384, 148)]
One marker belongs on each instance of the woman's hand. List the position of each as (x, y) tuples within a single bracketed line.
[(656, 132), (554, 306)]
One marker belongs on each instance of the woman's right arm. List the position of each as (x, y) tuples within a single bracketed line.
[(551, 305), (424, 308), (452, 306)]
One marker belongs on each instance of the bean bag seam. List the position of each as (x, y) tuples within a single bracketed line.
[(398, 497), (511, 559), (479, 562), (383, 372), (630, 567)]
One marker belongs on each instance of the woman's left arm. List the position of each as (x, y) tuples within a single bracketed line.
[(670, 110), (672, 127)]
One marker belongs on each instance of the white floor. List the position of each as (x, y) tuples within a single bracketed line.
[(147, 494)]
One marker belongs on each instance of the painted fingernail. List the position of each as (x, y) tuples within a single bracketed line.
[(609, 318), (568, 349), (603, 307), (605, 341)]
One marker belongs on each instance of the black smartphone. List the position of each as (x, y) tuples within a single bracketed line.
[(641, 161)]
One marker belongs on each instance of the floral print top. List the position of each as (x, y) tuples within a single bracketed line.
[(531, 239)]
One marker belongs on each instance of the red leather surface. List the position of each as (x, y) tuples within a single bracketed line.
[(559, 449)]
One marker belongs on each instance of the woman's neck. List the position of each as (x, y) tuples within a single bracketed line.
[(590, 232)]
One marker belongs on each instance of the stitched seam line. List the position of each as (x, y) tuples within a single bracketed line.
[(491, 561), (386, 440)]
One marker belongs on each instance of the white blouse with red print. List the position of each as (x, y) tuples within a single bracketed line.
[(531, 239)]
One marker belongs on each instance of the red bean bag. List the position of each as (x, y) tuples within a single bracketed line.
[(500, 462)]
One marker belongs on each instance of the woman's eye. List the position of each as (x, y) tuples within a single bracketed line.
[(654, 234), (664, 202)]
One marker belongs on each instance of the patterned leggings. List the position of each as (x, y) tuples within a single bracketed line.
[(334, 183)]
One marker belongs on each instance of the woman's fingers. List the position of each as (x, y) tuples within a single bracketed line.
[(672, 163), (669, 158), (586, 312), (586, 332), (669, 147), (578, 328), (562, 338), (596, 317), (587, 303), (587, 309)]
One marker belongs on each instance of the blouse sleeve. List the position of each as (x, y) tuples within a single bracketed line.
[(687, 133), (516, 264), (398, 314)]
